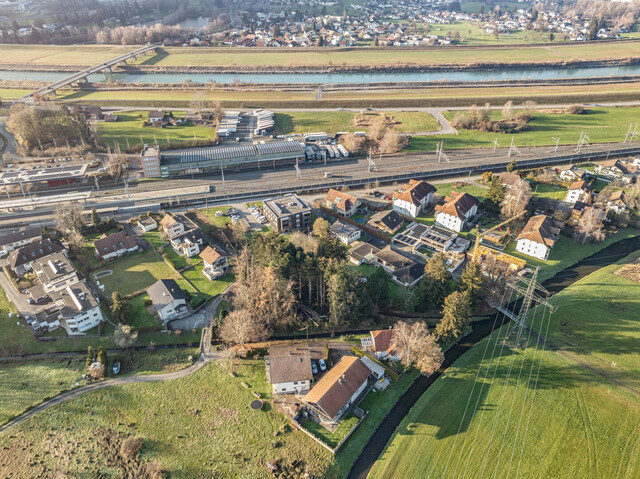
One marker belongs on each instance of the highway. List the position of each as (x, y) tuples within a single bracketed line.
[(349, 172), (44, 91)]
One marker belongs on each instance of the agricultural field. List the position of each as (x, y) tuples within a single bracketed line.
[(301, 122), (492, 414), (129, 132), (199, 423), (601, 124), (84, 55)]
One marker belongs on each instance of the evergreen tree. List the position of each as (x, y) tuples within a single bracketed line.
[(456, 317), (90, 357), (434, 284), (378, 287), (512, 166), (472, 280), (495, 194), (102, 357), (95, 219), (120, 307)]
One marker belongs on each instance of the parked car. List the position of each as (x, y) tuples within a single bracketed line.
[(31, 301), (314, 368), (101, 170), (323, 365), (3, 253)]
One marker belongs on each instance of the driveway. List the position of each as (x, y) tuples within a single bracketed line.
[(199, 319), (18, 299)]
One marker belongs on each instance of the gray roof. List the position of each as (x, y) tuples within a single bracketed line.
[(53, 266), (221, 153), (290, 368), (76, 299), (33, 251), (342, 229), (20, 235), (164, 291)]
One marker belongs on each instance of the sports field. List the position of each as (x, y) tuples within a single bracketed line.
[(494, 415)]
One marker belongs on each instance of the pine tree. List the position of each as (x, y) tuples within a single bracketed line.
[(102, 357), (434, 284), (512, 166), (90, 357), (120, 307), (472, 280), (496, 191), (456, 317), (95, 219)]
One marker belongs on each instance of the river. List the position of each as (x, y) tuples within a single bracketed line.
[(374, 448), (559, 73)]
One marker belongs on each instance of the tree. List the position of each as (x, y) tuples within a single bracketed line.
[(102, 357), (241, 327), (516, 199), (342, 297), (198, 103), (456, 316), (417, 347), (512, 166), (68, 217), (115, 163), (507, 111), (495, 194), (377, 287), (320, 228), (90, 357), (434, 284), (589, 226), (95, 219), (124, 337), (472, 280), (120, 307)]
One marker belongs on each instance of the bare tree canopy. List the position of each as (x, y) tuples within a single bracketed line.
[(417, 347), (68, 217), (516, 198), (241, 327), (589, 226)]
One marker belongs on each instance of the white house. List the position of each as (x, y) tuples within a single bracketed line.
[(413, 198), (169, 301), (578, 191), (171, 226), (16, 239), (345, 232), (215, 262), (342, 203), (458, 209), (115, 245), (615, 202), (188, 244), (289, 374), (381, 342), (338, 389), (55, 272), (79, 308), (147, 224), (538, 237)]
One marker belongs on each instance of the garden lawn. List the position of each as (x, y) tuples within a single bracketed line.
[(128, 132), (601, 124), (567, 252), (396, 292), (155, 239), (572, 420), (219, 221), (332, 439), (135, 272), (178, 261), (207, 289), (197, 426), (140, 316)]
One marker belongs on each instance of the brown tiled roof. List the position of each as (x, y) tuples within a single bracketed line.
[(359, 251), (616, 196), (457, 204), (509, 179), (580, 185), (168, 221), (342, 201), (32, 252), (338, 385), (211, 254), (114, 242), (541, 229), (383, 340), (414, 191), (393, 258), (287, 369)]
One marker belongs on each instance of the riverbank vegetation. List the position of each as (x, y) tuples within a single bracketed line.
[(574, 416)]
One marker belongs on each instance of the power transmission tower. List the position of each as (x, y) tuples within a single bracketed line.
[(126, 188), (298, 173), (631, 134), (440, 152), (557, 140), (584, 140), (372, 165), (513, 149), (531, 292), (495, 144)]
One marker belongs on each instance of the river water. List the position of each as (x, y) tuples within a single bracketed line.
[(336, 78), (481, 329)]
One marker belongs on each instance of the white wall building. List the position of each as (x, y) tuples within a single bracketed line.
[(538, 237), (457, 211), (413, 198)]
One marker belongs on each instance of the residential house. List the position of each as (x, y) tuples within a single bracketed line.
[(382, 343), (402, 269), (345, 232), (189, 244), (147, 224), (578, 191), (618, 169), (362, 253), (215, 262), (21, 259), (579, 208), (287, 213), (458, 209), (16, 239), (115, 245), (388, 221), (93, 113), (413, 198), (159, 116), (342, 203), (79, 308), (616, 203), (538, 237), (289, 370), (572, 174), (338, 389), (169, 301), (171, 226), (55, 272), (509, 180)]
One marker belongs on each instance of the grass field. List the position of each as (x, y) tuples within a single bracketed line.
[(571, 422), (140, 316), (207, 289), (128, 131), (199, 426), (601, 124), (62, 54), (335, 121)]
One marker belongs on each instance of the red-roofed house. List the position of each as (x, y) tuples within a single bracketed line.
[(457, 210), (413, 198), (578, 191)]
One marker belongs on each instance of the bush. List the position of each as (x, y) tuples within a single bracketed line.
[(575, 110), (130, 447)]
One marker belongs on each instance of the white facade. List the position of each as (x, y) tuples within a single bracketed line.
[(175, 309), (294, 387), (453, 222), (85, 320), (573, 196), (348, 238), (175, 229), (118, 253), (186, 248), (410, 209), (532, 248)]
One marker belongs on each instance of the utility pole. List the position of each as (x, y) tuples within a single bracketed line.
[(584, 140), (513, 149), (557, 140), (632, 133), (126, 188), (298, 173), (372, 165), (222, 173), (495, 144), (95, 178), (440, 152)]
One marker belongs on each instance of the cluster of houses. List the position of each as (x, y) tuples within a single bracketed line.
[(329, 393), (62, 292)]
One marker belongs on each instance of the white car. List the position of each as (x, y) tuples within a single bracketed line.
[(3, 253), (101, 170)]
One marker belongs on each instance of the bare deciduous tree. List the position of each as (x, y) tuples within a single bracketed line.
[(124, 337), (589, 226), (417, 347), (308, 243), (241, 327), (68, 217), (516, 199)]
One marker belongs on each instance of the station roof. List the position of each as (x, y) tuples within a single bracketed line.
[(62, 172)]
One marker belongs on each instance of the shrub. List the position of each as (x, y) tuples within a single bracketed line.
[(130, 447), (575, 110)]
